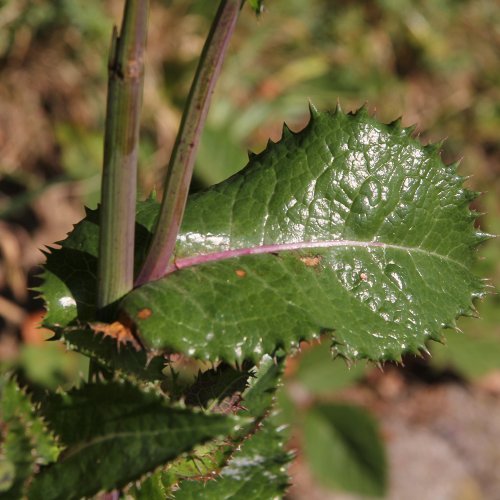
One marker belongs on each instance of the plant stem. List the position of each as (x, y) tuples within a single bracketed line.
[(119, 180), (180, 168)]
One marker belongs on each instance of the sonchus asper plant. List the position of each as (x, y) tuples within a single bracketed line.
[(349, 229)]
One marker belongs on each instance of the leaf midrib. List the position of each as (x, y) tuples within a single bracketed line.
[(98, 440), (186, 262)]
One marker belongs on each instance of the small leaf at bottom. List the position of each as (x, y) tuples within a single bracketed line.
[(344, 450)]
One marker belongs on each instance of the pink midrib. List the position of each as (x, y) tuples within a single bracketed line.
[(184, 262)]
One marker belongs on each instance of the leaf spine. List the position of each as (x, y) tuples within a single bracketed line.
[(410, 130), (396, 124), (362, 111), (313, 111), (286, 131)]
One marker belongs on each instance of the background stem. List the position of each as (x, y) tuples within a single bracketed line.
[(180, 168), (119, 180)]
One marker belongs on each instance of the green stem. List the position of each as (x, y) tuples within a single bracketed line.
[(119, 181), (180, 168)]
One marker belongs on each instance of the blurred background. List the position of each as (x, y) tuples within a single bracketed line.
[(435, 63)]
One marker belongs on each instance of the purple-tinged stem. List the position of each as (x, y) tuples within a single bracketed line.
[(121, 144), (180, 168)]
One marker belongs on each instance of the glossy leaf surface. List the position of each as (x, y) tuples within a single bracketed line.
[(350, 227), (69, 286), (114, 433), (69, 290)]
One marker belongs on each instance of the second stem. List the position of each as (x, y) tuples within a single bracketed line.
[(180, 168)]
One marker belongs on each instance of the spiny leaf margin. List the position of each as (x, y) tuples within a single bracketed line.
[(26, 441), (402, 275), (258, 467), (114, 433)]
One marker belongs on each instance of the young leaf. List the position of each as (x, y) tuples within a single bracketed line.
[(350, 227), (256, 402), (16, 405), (344, 450), (114, 433), (151, 488)]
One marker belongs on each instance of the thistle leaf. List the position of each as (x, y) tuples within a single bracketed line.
[(257, 469), (350, 227), (114, 433), (25, 441)]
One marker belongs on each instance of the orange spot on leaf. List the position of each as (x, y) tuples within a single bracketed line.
[(144, 313), (240, 273), (311, 261)]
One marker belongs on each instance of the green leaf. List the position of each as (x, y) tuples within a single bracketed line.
[(349, 227), (257, 471), (25, 441), (256, 402), (16, 462), (152, 488), (114, 433), (69, 290), (216, 385), (16, 406), (69, 286), (121, 358), (260, 394), (344, 450), (7, 472)]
